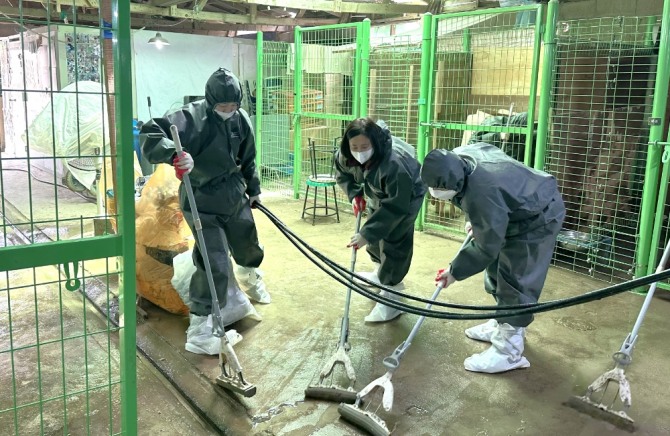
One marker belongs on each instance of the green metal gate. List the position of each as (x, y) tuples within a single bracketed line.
[(478, 68), (65, 367), (601, 102)]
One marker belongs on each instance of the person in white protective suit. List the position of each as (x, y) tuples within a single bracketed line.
[(219, 156), (514, 213), (370, 163)]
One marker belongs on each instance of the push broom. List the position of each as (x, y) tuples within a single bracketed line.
[(334, 392), (368, 420), (231, 377), (596, 408)]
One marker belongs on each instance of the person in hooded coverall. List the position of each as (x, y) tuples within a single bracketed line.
[(369, 163), (219, 156), (514, 214)]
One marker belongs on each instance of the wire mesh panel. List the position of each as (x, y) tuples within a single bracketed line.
[(59, 363), (483, 88), (597, 145), (395, 79), (67, 215), (276, 145), (329, 89)]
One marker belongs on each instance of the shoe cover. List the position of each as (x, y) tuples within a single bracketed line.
[(251, 280), (383, 313), (199, 337), (505, 353), (482, 332), (258, 293), (371, 275)]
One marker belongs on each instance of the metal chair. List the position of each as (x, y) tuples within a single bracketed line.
[(322, 166)]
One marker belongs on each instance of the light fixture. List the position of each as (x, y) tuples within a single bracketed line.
[(158, 40)]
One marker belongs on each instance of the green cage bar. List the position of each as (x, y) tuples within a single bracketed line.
[(651, 174), (259, 101), (547, 81), (297, 115)]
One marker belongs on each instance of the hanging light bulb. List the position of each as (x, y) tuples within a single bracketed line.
[(158, 40)]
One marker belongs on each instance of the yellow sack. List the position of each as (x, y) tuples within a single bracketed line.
[(162, 233)]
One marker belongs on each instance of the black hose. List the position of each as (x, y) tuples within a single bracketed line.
[(501, 311)]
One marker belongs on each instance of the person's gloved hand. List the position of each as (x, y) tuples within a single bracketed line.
[(254, 200), (444, 276), (358, 204), (468, 227), (183, 164), (358, 241)]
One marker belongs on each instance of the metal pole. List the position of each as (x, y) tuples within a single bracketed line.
[(126, 210), (547, 82), (649, 189), (297, 107), (259, 103), (537, 47), (365, 66), (424, 100)]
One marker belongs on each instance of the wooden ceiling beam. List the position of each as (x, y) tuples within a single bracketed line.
[(343, 6), (174, 12)]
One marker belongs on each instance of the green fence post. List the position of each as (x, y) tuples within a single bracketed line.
[(659, 217), (532, 98), (126, 208), (364, 48), (547, 81), (258, 109), (424, 99), (649, 189), (297, 108)]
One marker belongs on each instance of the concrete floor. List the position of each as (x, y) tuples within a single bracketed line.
[(282, 354), (434, 395)]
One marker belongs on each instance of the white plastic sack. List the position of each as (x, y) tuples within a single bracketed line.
[(238, 305)]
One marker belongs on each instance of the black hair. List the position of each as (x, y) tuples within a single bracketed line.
[(380, 138)]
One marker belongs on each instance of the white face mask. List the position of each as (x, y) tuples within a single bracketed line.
[(442, 194), (362, 156), (225, 115)]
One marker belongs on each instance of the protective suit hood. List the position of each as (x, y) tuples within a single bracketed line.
[(222, 87), (444, 169)]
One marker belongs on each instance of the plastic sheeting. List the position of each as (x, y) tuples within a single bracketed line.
[(72, 125)]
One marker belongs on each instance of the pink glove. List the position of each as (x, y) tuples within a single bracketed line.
[(359, 204), (468, 228), (444, 276)]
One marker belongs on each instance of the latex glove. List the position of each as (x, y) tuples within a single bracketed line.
[(358, 241), (358, 204), (468, 227), (183, 164), (445, 277), (254, 200)]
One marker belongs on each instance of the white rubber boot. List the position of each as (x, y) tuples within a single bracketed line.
[(383, 313), (505, 353), (482, 332), (199, 337), (253, 284)]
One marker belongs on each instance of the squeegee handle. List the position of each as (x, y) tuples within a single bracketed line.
[(218, 329), (344, 328)]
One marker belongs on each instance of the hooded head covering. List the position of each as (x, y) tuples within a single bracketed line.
[(222, 87), (444, 169), (380, 138)]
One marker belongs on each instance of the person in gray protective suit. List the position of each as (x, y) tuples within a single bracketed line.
[(219, 156), (370, 163), (514, 214)]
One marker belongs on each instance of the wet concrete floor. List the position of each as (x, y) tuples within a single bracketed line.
[(434, 394)]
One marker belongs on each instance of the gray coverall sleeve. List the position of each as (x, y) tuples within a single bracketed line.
[(489, 217), (247, 156), (156, 139), (392, 210), (346, 181)]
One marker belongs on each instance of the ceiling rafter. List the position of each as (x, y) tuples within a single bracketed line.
[(343, 6)]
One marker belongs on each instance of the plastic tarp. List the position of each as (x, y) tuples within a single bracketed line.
[(72, 126)]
